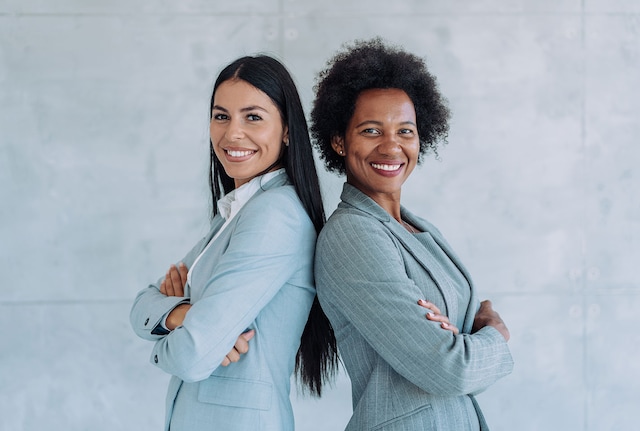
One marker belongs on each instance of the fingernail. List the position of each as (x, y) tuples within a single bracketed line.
[(421, 301)]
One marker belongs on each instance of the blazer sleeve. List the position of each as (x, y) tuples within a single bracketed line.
[(271, 238), (360, 275), (150, 306)]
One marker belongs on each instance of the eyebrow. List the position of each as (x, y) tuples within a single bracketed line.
[(246, 109), (379, 123)]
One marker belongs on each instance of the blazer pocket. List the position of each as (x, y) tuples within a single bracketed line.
[(418, 419), (227, 391)]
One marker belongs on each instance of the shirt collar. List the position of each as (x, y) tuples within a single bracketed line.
[(232, 202)]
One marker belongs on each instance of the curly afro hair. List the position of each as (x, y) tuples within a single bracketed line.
[(368, 64)]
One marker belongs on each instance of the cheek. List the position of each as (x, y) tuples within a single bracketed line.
[(357, 156), (273, 139), (278, 136), (212, 133), (414, 152), (352, 165), (215, 136)]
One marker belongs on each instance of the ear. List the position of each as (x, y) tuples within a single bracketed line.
[(285, 136), (337, 143)]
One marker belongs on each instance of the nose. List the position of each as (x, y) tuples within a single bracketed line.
[(234, 130), (390, 146)]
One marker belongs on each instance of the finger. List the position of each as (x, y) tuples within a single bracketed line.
[(225, 362), (183, 270), (242, 343), (450, 327), (176, 281), (430, 305), (486, 304), (444, 322), (233, 355), (437, 317), (168, 284), (248, 335), (163, 288)]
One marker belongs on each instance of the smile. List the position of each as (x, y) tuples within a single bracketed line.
[(235, 153), (385, 167)]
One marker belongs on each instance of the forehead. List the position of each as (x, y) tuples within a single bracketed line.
[(238, 92), (379, 104)]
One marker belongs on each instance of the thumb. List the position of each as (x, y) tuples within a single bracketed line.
[(249, 334)]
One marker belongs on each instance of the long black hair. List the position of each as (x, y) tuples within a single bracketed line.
[(317, 357)]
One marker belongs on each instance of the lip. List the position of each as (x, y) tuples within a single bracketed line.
[(238, 154), (386, 168)]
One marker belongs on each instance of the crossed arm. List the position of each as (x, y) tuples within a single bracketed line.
[(363, 282), (176, 278), (173, 285), (486, 316)]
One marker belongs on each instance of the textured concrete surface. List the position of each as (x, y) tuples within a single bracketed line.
[(103, 158)]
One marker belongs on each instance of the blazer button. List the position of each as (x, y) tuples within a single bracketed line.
[(155, 359), (146, 321)]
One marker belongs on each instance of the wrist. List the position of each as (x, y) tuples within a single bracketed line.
[(501, 328), (176, 316)]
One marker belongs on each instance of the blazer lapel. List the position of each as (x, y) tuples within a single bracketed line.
[(424, 225), (218, 221), (357, 199)]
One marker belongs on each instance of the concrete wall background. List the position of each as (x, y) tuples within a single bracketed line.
[(103, 147)]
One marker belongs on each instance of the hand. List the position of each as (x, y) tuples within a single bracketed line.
[(240, 348), (486, 316), (176, 316), (174, 281), (436, 316)]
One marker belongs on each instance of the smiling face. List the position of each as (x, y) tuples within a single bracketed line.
[(381, 144), (246, 130)]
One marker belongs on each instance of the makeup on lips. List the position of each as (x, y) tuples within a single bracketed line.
[(238, 155), (387, 169)]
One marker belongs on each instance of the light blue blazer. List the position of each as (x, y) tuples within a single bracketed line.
[(258, 275), (407, 373)]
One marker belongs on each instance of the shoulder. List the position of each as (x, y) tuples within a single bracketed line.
[(347, 223), (277, 209), (277, 202), (354, 235), (277, 199)]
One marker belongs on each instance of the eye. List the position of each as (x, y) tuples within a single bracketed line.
[(254, 117), (220, 117), (370, 131), (405, 132)]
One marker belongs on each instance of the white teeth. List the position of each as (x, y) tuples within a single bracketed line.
[(239, 153), (386, 167)]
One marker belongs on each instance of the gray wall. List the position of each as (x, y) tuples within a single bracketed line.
[(103, 147)]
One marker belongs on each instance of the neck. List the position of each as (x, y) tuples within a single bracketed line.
[(277, 165), (390, 202)]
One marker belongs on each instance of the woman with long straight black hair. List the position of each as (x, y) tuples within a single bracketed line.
[(238, 314)]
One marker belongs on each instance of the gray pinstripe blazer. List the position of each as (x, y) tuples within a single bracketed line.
[(406, 372)]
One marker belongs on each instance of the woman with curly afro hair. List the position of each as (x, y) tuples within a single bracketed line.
[(413, 336)]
